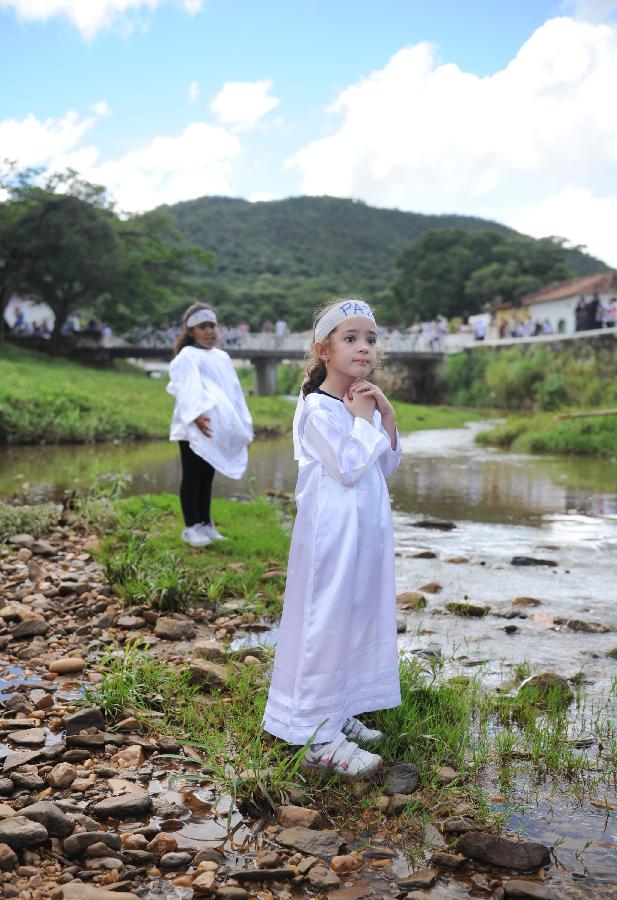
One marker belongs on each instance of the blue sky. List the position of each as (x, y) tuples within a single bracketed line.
[(497, 109)]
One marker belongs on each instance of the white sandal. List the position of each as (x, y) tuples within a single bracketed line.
[(357, 731), (342, 757)]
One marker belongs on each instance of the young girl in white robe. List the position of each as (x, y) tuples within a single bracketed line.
[(336, 655), (211, 420)]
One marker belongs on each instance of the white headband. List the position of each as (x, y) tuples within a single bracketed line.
[(346, 309), (202, 315)]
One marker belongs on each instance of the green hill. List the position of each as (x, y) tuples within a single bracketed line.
[(284, 257)]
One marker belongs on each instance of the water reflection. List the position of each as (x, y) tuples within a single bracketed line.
[(443, 473)]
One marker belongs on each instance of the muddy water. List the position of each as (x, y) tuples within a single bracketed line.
[(501, 505)]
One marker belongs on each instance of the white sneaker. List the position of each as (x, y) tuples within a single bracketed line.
[(210, 531), (195, 537), (357, 731), (343, 757)]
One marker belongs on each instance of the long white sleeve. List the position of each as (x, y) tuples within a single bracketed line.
[(345, 455), (239, 400), (192, 397), (390, 459)]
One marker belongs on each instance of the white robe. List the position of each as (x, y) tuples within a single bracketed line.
[(204, 382), (336, 654)]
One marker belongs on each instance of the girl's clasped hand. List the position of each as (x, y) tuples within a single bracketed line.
[(363, 397)]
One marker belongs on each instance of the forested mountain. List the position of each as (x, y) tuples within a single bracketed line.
[(284, 257)]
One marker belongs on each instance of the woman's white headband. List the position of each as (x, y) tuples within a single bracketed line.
[(346, 309), (202, 315)]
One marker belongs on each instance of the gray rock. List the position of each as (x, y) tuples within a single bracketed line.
[(313, 843), (207, 674), (127, 806), (8, 858), (459, 825), (27, 737), (27, 781), (468, 610), (6, 787), (494, 850), (529, 890), (438, 524), (531, 561), (174, 629), (581, 626), (30, 628), (323, 879), (51, 816), (545, 683), (612, 653), (175, 860), (17, 758), (89, 717), (422, 878), (230, 892), (21, 540), (402, 779), (19, 832), (281, 874), (77, 843)]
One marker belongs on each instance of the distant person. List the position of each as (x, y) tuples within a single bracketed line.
[(579, 314), (479, 330), (267, 327), (336, 655), (211, 421), (280, 329), (611, 313), (547, 328)]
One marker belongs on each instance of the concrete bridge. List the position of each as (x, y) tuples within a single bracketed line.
[(408, 372)]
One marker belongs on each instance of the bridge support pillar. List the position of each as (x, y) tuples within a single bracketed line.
[(265, 376)]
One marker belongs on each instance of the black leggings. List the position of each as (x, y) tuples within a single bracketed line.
[(195, 487)]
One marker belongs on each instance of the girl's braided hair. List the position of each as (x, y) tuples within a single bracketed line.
[(185, 339)]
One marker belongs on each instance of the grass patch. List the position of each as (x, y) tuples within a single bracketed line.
[(36, 520), (147, 563), (542, 433), (52, 401), (413, 417), (44, 400), (441, 721)]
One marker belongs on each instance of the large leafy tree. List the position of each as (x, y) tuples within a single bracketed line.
[(455, 273), (76, 253)]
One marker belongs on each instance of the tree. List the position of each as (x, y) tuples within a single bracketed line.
[(455, 273), (77, 254)]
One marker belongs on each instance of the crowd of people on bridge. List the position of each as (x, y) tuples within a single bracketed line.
[(593, 313)]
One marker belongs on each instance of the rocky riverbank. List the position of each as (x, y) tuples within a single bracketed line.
[(106, 793)]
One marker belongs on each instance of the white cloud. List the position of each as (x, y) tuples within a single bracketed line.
[(193, 92), (575, 212), (195, 162), (592, 10), (261, 196), (425, 136), (48, 142), (241, 104), (101, 108), (89, 16)]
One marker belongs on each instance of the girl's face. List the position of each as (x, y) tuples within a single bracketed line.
[(204, 334), (352, 348)]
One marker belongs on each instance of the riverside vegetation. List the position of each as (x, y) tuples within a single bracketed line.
[(181, 671), (56, 401), (538, 385)]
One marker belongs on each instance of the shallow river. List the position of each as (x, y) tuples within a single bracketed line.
[(501, 505)]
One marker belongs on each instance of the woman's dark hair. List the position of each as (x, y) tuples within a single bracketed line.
[(185, 339)]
